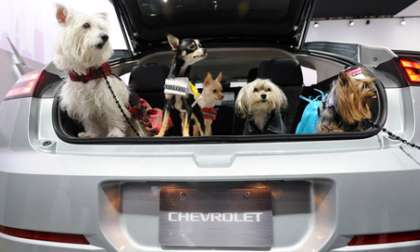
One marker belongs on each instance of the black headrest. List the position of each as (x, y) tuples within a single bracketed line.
[(252, 74), (148, 78), (283, 72)]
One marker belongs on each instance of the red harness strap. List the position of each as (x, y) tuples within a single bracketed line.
[(209, 113), (92, 74), (150, 118)]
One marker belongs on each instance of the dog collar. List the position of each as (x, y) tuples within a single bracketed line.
[(92, 74), (209, 113)]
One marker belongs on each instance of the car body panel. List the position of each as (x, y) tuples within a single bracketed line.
[(356, 187), (370, 183)]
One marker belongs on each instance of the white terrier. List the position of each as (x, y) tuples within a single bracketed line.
[(260, 103), (83, 51)]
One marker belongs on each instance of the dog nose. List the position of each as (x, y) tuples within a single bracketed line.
[(263, 96), (104, 37)]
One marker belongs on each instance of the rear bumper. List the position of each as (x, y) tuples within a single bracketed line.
[(394, 247), (13, 244), (371, 192)]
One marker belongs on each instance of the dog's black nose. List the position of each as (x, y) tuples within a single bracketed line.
[(104, 37), (263, 96)]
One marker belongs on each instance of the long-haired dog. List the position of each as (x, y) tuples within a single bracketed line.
[(349, 104), (260, 103), (211, 94), (187, 53), (83, 51)]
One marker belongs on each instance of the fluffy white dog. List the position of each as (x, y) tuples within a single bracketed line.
[(260, 103), (83, 51)]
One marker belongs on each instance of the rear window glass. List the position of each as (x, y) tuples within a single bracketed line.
[(169, 12)]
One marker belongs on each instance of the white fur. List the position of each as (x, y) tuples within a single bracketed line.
[(249, 103), (89, 103)]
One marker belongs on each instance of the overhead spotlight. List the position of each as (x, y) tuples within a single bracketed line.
[(368, 22), (316, 25), (351, 23), (403, 21)]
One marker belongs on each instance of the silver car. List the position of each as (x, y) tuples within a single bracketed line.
[(354, 191)]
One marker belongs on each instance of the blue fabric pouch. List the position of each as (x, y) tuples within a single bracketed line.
[(309, 122)]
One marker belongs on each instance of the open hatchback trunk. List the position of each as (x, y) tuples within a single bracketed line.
[(245, 40), (146, 22)]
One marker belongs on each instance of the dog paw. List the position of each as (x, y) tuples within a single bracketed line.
[(160, 134), (116, 133), (86, 135)]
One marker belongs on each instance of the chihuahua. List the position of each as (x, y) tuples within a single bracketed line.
[(187, 53), (211, 95)]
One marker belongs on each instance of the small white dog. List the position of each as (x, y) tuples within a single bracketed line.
[(83, 51), (260, 103)]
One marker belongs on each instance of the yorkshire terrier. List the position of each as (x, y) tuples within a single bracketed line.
[(261, 103), (349, 104), (211, 94), (181, 97)]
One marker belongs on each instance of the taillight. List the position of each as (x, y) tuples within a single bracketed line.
[(412, 70), (25, 86), (44, 236), (384, 238)]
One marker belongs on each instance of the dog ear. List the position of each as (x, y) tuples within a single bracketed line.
[(219, 77), (208, 79), (343, 78), (280, 102), (173, 41), (241, 104), (62, 14)]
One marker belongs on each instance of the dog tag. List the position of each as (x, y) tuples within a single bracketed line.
[(177, 86)]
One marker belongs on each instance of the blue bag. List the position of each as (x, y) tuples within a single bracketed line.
[(309, 122)]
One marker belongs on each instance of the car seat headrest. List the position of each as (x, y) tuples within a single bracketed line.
[(148, 78), (283, 72)]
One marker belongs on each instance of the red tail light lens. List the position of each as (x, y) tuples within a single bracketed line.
[(384, 238), (25, 86), (44, 236), (412, 70)]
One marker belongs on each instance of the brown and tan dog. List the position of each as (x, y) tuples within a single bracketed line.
[(349, 104)]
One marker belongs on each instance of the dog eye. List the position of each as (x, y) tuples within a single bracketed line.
[(191, 47), (268, 89), (86, 25), (214, 91), (255, 90)]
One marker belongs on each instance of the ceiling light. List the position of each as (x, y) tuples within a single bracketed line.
[(351, 23), (316, 25), (403, 21)]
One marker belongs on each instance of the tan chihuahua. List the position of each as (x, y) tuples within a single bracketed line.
[(212, 94)]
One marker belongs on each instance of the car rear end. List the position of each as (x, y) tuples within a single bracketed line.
[(331, 192)]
